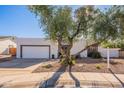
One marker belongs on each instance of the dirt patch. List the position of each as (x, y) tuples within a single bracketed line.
[(45, 68), (87, 65)]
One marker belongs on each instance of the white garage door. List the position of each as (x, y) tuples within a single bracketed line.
[(35, 52)]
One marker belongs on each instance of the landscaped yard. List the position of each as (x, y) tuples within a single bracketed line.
[(86, 65)]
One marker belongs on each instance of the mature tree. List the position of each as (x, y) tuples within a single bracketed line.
[(55, 21), (64, 26)]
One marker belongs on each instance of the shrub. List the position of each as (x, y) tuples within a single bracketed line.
[(94, 54), (48, 66), (98, 66), (90, 54)]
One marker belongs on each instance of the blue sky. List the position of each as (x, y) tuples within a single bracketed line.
[(19, 21)]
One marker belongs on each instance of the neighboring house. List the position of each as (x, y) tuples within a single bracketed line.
[(6, 43), (42, 48)]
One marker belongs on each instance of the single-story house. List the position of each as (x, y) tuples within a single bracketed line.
[(6, 44), (44, 48)]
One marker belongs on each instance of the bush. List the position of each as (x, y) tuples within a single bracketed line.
[(48, 66), (94, 54), (98, 66), (90, 54)]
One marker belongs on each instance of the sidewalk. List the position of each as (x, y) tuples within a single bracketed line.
[(75, 79)]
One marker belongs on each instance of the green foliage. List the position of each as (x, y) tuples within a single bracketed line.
[(55, 21), (87, 21), (94, 54), (113, 44), (47, 66), (59, 21), (117, 14)]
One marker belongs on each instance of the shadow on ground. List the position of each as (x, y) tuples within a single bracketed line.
[(122, 83), (77, 82), (51, 82)]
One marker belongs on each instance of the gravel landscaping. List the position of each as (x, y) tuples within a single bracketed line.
[(86, 65)]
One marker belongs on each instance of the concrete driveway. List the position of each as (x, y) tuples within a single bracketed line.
[(17, 73), (21, 64)]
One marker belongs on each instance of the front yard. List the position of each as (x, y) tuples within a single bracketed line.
[(43, 70), (86, 65)]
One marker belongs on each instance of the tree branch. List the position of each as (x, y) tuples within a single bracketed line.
[(77, 31)]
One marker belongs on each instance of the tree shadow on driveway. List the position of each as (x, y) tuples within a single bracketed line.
[(122, 83), (51, 82)]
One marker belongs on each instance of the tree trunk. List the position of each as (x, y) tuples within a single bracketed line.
[(59, 46), (66, 50), (67, 54), (59, 50)]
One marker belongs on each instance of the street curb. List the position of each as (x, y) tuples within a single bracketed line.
[(93, 84)]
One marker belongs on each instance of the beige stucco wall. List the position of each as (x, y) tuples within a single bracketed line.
[(78, 46), (36, 41)]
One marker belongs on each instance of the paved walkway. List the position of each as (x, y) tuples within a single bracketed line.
[(74, 79), (77, 79)]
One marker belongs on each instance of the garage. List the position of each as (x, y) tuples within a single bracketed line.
[(35, 51)]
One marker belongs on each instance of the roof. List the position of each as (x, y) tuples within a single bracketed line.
[(7, 37)]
